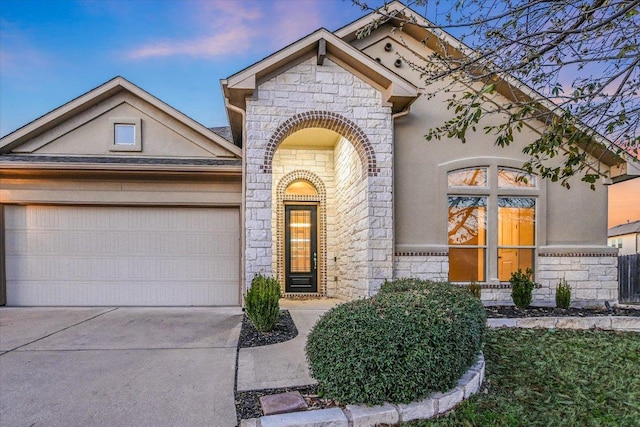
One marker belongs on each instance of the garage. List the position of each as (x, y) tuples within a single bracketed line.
[(121, 256)]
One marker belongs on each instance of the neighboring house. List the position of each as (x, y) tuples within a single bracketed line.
[(625, 237), (118, 199)]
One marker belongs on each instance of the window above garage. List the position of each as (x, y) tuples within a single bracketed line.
[(126, 134)]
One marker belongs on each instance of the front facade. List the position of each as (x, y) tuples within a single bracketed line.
[(328, 185)]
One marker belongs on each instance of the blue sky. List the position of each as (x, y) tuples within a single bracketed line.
[(55, 50)]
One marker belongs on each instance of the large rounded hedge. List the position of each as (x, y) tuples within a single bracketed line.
[(397, 346)]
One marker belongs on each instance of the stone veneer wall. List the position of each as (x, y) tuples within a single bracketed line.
[(338, 98), (593, 277), (422, 265), (351, 245)]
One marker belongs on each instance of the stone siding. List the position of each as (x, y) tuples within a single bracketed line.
[(352, 227), (310, 95), (422, 266), (593, 278)]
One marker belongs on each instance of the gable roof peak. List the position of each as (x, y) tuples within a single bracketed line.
[(87, 100)]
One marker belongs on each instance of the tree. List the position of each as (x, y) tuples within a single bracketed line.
[(572, 65)]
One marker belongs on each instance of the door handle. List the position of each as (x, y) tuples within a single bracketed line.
[(315, 260)]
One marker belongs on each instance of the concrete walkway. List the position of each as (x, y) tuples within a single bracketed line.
[(284, 364), (118, 366)]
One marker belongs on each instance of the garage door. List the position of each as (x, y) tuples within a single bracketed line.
[(122, 256)]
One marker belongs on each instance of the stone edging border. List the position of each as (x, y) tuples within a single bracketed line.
[(609, 323), (362, 416)]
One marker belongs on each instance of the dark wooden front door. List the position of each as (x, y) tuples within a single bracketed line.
[(301, 248)]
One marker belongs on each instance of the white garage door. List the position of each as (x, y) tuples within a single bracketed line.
[(122, 256)]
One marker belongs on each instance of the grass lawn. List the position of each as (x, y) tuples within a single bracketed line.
[(554, 378)]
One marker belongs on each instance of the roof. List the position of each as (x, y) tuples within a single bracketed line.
[(223, 131), (628, 228), (91, 98), (396, 90)]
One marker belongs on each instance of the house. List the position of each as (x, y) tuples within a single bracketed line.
[(625, 237), (325, 182)]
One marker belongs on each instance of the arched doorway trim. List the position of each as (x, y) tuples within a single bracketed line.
[(326, 120), (321, 200)]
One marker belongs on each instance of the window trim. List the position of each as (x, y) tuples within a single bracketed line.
[(137, 145), (492, 192)]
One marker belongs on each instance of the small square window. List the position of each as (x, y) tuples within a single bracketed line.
[(124, 134)]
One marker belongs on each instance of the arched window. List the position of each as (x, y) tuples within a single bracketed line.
[(300, 188)]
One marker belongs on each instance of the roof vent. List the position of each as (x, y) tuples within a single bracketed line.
[(388, 47), (398, 63)]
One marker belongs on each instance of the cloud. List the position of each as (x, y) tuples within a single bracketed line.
[(235, 40), (226, 27), (229, 27)]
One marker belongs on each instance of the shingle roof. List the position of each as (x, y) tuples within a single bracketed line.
[(11, 158), (223, 131), (628, 228)]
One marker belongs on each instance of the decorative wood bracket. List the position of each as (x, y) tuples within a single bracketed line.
[(322, 51)]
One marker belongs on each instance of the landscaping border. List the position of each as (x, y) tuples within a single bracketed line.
[(364, 416), (610, 323)]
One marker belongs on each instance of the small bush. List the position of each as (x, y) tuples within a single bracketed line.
[(475, 289), (262, 302), (522, 288), (402, 285), (397, 346), (563, 294)]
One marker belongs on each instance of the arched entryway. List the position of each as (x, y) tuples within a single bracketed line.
[(330, 152), (330, 164)]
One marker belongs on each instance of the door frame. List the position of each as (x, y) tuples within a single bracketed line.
[(314, 253)]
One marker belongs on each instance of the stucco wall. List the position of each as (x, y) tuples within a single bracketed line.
[(421, 210), (122, 189), (89, 133)]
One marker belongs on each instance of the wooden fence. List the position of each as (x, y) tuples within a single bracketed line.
[(629, 278)]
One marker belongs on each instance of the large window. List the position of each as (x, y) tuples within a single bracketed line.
[(491, 226)]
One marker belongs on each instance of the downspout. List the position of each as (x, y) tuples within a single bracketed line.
[(399, 114), (242, 203)]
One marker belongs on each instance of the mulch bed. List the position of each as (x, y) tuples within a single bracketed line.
[(248, 404), (285, 330)]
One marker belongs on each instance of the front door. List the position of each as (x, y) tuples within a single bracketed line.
[(301, 253)]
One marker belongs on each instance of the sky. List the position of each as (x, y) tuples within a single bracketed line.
[(52, 51)]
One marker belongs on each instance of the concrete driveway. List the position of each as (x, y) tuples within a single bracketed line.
[(118, 366)]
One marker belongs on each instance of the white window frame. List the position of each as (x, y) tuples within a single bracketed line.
[(137, 123), (492, 193)]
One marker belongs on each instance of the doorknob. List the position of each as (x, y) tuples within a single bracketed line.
[(315, 260)]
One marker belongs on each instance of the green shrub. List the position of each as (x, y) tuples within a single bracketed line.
[(262, 302), (475, 289), (410, 284), (522, 288), (563, 294), (397, 346)]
